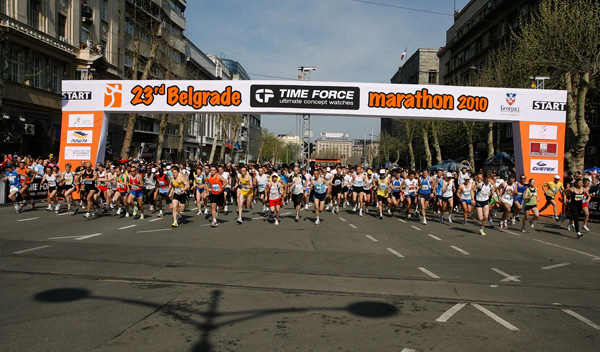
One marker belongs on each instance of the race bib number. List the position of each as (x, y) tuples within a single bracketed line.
[(215, 188), (425, 187)]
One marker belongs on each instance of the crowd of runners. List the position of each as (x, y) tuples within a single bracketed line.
[(132, 189)]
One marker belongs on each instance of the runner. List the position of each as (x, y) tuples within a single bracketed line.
[(466, 198), (347, 188), (199, 187), (88, 178), (102, 182), (483, 192), (216, 185), (179, 186), (411, 184), (551, 190), (26, 175), (14, 186), (319, 188), (245, 191), (336, 189), (297, 187), (507, 192), (425, 186), (530, 198), (68, 184), (136, 193), (397, 197), (358, 190), (261, 181), (383, 192), (150, 186), (275, 191), (112, 187), (586, 209), (447, 196), (518, 199), (577, 193), (163, 190), (122, 191), (51, 178)]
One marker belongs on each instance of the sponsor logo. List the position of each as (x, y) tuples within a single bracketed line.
[(543, 149), (78, 153), (539, 166), (549, 105), (79, 137), (511, 98), (76, 95), (543, 132), (305, 97), (81, 120), (113, 95)]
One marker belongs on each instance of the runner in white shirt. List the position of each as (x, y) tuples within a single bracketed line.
[(447, 196), (507, 192), (347, 187), (410, 187), (297, 187), (261, 181), (483, 192)]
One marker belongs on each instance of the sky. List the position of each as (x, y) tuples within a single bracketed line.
[(346, 40)]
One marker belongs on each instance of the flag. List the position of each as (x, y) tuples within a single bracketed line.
[(228, 144), (403, 53), (237, 146)]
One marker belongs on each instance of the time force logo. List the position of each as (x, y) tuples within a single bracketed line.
[(304, 97), (543, 149), (539, 166)]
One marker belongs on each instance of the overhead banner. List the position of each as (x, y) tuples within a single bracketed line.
[(319, 98)]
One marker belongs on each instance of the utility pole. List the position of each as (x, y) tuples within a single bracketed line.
[(306, 132)]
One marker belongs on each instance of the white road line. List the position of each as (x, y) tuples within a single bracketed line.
[(155, 219), (352, 226), (450, 312), (503, 322), (68, 213), (416, 228), (371, 238), (127, 227), (594, 257), (507, 277), (344, 220), (80, 238), (429, 273), (159, 230), (460, 250), (512, 233), (408, 350), (194, 209), (402, 221), (582, 318), (555, 266), (434, 237), (28, 219), (395, 253), (30, 249), (75, 238), (260, 217)]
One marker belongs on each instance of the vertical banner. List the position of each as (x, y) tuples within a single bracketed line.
[(83, 137), (540, 154)]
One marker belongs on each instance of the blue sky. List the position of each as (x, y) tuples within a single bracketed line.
[(346, 40)]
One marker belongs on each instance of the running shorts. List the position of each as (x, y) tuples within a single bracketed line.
[(427, 197), (274, 202), (182, 198), (468, 201), (297, 199), (335, 191), (137, 194), (481, 204), (320, 196), (446, 199), (381, 198), (218, 199), (529, 207), (358, 189)]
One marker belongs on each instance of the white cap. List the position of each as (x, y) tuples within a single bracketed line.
[(556, 177), (274, 174), (169, 167), (153, 170), (449, 174), (328, 168), (382, 171)]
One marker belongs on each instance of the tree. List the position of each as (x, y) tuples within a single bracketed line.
[(213, 148), (563, 40), (410, 133), (424, 127), (436, 142)]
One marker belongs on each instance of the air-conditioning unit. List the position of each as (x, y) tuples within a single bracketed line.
[(29, 129), (162, 30)]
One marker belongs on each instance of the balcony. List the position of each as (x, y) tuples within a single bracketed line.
[(86, 14)]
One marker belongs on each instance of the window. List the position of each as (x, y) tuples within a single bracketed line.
[(37, 72), (104, 10), (35, 7), (15, 65), (145, 37), (85, 34), (129, 28), (55, 79), (172, 130), (128, 60), (103, 46), (432, 77), (62, 28), (176, 56)]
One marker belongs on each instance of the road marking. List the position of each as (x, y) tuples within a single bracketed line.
[(61, 214), (30, 249), (507, 277), (402, 221), (75, 238), (194, 209), (555, 266), (395, 253), (594, 257), (512, 233), (352, 226), (159, 230), (450, 312), (408, 350), (371, 238), (155, 219), (127, 227), (260, 217), (460, 250), (434, 237), (416, 228), (493, 286), (503, 322), (28, 219), (582, 318), (429, 273), (342, 219)]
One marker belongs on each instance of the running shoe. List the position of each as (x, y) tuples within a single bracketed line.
[(276, 222), (214, 223), (160, 215), (205, 211), (317, 222), (142, 217), (408, 216), (389, 212), (32, 204), (562, 217), (175, 224), (337, 209), (57, 210), (87, 215), (199, 212), (119, 211), (76, 211), (531, 224), (134, 212), (586, 228), (68, 208), (239, 220), (556, 218), (296, 218), (466, 223), (126, 214), (449, 219), (513, 221), (225, 210), (516, 218), (327, 207), (49, 207), (354, 209), (441, 220), (569, 227), (424, 221), (523, 229), (579, 235), (380, 215), (360, 212), (481, 232)]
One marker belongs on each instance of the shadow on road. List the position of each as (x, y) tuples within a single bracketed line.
[(208, 324)]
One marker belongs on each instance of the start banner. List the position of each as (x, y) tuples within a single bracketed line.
[(319, 98)]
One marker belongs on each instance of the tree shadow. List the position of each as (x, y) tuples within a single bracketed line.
[(208, 324)]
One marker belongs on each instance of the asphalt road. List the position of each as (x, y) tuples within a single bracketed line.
[(349, 284)]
